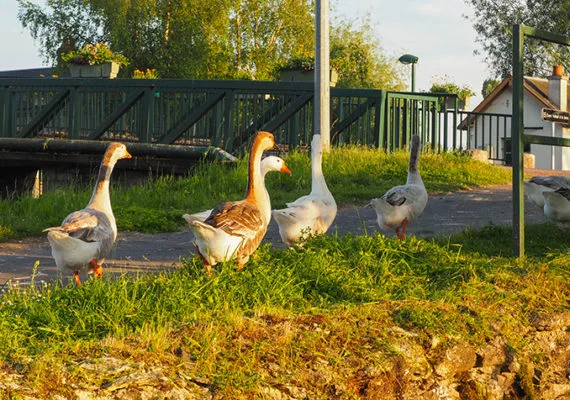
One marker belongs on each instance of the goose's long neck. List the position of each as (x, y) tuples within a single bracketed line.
[(413, 171), (318, 183), (254, 178), (101, 200)]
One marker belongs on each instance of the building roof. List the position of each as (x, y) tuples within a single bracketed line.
[(45, 72), (536, 88)]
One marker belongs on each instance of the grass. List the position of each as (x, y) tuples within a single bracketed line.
[(336, 302), (354, 175), (328, 320)]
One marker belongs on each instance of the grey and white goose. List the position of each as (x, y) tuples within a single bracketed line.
[(537, 185), (403, 204), (557, 207), (85, 237)]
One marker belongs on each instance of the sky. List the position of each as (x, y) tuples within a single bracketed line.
[(433, 30)]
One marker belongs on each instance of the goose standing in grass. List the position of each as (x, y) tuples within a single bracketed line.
[(85, 237), (235, 229), (268, 164), (557, 207), (310, 214), (537, 185), (402, 204)]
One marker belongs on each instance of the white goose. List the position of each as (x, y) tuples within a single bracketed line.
[(537, 185), (557, 207), (85, 237), (268, 164), (235, 229), (313, 213), (402, 204)]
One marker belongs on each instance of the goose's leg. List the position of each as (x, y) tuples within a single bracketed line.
[(96, 268), (403, 234), (77, 279), (207, 265)]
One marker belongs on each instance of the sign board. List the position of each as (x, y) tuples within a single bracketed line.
[(557, 116)]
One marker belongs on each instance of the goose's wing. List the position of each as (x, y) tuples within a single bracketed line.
[(564, 192), (399, 195), (395, 196), (551, 182), (86, 225), (305, 211), (239, 218)]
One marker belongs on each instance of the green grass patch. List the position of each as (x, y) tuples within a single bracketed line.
[(354, 175), (334, 299)]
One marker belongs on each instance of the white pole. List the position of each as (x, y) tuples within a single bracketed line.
[(322, 83)]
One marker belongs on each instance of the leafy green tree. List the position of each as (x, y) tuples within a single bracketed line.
[(488, 86), (213, 39), (493, 21), (360, 60), (263, 32), (61, 26)]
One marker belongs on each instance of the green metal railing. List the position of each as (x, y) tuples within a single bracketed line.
[(223, 114), (519, 138)]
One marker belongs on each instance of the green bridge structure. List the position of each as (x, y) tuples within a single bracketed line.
[(171, 124)]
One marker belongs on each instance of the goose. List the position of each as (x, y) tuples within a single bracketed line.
[(537, 185), (402, 204), (235, 229), (557, 207), (85, 237), (310, 214), (268, 164)]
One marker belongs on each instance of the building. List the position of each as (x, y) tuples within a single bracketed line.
[(538, 94)]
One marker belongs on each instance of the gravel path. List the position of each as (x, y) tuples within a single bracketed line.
[(444, 214)]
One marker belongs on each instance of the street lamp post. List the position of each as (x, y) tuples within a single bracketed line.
[(410, 59)]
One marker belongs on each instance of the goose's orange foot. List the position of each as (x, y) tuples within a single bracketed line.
[(402, 235), (96, 268), (77, 279), (207, 265)]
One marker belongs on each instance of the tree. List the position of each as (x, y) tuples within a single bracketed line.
[(493, 21), (64, 24), (355, 54), (212, 39), (360, 60), (488, 86)]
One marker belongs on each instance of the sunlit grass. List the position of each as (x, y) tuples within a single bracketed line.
[(354, 175), (336, 296)]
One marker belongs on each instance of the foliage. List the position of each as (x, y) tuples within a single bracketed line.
[(355, 174), (488, 86), (148, 74), (63, 24), (215, 39), (357, 57), (339, 304), (493, 21), (90, 54), (445, 85)]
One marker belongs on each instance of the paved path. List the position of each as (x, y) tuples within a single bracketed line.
[(444, 214)]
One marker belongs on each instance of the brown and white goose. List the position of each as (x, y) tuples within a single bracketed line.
[(235, 229), (402, 204), (85, 237), (268, 164)]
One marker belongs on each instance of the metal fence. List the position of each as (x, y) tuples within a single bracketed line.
[(226, 114)]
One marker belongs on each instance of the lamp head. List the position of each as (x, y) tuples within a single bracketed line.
[(408, 59)]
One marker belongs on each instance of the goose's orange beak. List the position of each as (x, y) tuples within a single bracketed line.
[(285, 170)]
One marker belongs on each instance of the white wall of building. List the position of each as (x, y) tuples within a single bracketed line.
[(546, 157)]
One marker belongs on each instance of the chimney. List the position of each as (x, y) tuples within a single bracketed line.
[(558, 88)]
